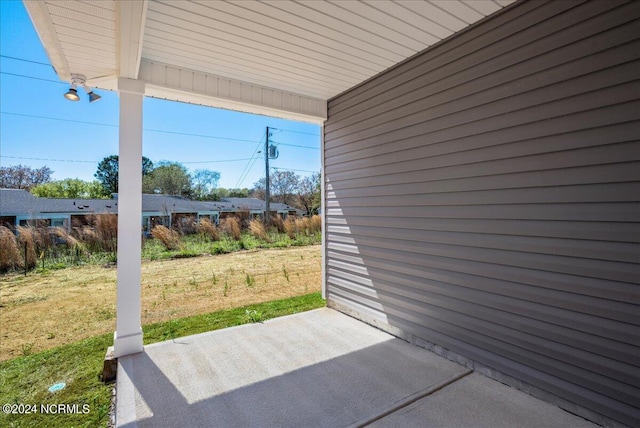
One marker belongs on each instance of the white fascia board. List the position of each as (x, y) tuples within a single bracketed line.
[(39, 14), (131, 17), (194, 87), (46, 216), (152, 214)]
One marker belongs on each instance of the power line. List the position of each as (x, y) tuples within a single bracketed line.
[(56, 118), (296, 145), (25, 60), (145, 129), (247, 168), (48, 160), (219, 161), (291, 169), (32, 77), (199, 135), (87, 161), (297, 132), (302, 147)]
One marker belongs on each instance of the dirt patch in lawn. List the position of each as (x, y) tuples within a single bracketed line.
[(42, 311)]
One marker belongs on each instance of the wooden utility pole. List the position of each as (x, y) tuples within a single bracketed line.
[(267, 211)]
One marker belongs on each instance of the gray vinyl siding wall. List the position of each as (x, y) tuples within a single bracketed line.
[(483, 196)]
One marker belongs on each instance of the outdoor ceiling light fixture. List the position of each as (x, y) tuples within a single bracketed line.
[(72, 94), (80, 80)]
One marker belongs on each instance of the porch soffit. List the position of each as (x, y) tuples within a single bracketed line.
[(282, 58)]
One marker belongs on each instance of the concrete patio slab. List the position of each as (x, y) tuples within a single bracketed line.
[(319, 368), (316, 369), (479, 402)]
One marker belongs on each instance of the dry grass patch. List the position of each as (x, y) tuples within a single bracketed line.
[(42, 311)]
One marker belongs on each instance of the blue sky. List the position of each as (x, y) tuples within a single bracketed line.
[(39, 127)]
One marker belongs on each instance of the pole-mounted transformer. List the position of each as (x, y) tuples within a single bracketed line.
[(273, 152)]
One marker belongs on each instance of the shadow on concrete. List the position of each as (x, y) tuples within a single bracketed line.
[(224, 385)]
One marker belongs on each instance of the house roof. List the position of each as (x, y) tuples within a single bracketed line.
[(258, 204), (20, 202), (284, 59), (176, 204), (15, 202)]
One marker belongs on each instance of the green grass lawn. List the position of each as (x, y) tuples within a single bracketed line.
[(196, 245), (190, 246), (25, 380)]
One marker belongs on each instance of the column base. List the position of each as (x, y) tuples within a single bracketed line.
[(127, 344)]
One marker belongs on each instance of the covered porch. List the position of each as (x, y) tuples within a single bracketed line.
[(479, 198)]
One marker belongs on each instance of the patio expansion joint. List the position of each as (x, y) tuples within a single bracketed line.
[(410, 399)]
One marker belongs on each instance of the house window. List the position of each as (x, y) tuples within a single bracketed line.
[(35, 223)]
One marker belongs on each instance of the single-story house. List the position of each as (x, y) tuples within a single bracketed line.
[(480, 164), (20, 208)]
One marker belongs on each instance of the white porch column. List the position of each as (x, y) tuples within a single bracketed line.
[(128, 335), (323, 217)]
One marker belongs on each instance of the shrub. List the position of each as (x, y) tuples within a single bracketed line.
[(231, 226), (10, 255), (256, 228), (169, 238), (208, 229)]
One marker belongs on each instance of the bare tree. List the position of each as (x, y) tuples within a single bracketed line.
[(309, 193), (23, 177), (284, 185)]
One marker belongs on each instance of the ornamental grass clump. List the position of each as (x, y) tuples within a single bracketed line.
[(256, 228), (88, 236), (231, 226), (208, 229), (106, 229), (28, 238), (10, 255), (290, 227), (278, 223), (63, 237), (169, 237), (303, 225), (315, 223)]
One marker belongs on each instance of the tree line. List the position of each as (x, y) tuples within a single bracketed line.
[(165, 178)]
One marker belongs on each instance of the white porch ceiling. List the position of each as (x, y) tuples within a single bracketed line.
[(276, 57)]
